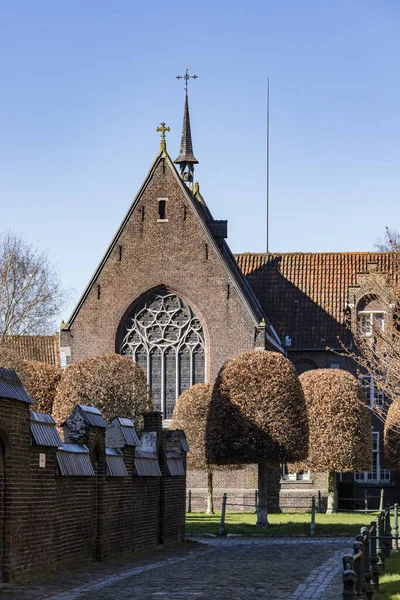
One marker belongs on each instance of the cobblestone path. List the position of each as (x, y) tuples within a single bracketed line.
[(233, 568)]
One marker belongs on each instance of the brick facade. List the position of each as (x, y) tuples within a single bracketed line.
[(178, 253)]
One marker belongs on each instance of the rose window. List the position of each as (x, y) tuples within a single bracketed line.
[(166, 339)]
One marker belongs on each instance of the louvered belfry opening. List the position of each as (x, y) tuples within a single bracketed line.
[(165, 337)]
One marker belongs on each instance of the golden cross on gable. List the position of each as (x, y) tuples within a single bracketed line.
[(163, 129)]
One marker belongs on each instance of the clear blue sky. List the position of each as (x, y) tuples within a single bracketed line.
[(85, 83)]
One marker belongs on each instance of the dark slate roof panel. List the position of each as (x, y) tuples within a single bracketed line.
[(73, 460), (175, 466), (93, 416), (115, 466), (146, 464), (44, 430), (11, 386)]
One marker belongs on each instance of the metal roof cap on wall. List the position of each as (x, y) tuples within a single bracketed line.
[(44, 430), (92, 416), (175, 464), (128, 431), (74, 460), (11, 386), (146, 464), (115, 466)]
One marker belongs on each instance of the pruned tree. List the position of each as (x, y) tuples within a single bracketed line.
[(114, 384), (257, 415), (41, 382), (391, 443), (190, 414), (30, 292), (39, 379), (339, 425)]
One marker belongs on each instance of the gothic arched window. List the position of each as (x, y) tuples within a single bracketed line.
[(166, 339)]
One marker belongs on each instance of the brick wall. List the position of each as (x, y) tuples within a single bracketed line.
[(51, 522), (150, 254)]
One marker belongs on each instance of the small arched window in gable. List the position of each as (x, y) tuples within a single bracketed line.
[(371, 315)]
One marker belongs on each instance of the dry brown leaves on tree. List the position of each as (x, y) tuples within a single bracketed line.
[(257, 412), (39, 379), (392, 437), (339, 422), (114, 384)]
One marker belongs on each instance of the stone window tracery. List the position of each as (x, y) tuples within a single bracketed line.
[(166, 339)]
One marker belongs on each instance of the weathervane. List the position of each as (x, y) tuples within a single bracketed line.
[(186, 77), (163, 143)]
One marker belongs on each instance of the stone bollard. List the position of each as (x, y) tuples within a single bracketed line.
[(379, 547), (382, 502), (349, 578), (368, 588), (222, 528), (395, 530), (312, 524), (374, 556), (358, 548)]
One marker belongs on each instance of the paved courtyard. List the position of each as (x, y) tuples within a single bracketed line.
[(233, 568)]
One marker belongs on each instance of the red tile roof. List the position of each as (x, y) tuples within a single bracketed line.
[(305, 295), (43, 348)]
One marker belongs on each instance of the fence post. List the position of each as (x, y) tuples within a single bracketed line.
[(255, 501), (189, 501), (379, 547), (222, 529), (319, 501), (374, 557), (388, 531), (395, 530), (369, 590), (366, 499), (349, 578), (382, 502), (359, 569), (312, 524)]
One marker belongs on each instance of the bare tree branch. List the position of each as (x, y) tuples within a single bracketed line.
[(30, 293)]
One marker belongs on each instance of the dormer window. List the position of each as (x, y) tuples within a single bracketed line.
[(371, 316), (162, 209), (368, 320)]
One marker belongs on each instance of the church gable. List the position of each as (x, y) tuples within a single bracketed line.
[(166, 242)]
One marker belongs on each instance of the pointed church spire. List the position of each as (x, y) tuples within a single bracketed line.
[(186, 158)]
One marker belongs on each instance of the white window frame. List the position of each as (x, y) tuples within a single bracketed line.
[(298, 476), (369, 332), (374, 397), (377, 474)]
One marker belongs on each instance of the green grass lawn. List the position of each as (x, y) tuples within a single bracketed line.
[(389, 584), (285, 524)]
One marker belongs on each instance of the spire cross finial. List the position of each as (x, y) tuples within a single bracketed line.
[(186, 77), (163, 129)]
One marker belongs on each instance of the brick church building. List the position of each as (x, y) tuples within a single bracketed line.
[(169, 293)]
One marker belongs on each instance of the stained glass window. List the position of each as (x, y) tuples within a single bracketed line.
[(164, 336)]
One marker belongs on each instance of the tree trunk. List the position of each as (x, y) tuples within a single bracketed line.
[(210, 499), (262, 511), (332, 493)]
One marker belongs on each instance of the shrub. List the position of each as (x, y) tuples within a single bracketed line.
[(339, 421), (392, 436), (257, 412), (112, 383), (39, 379)]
